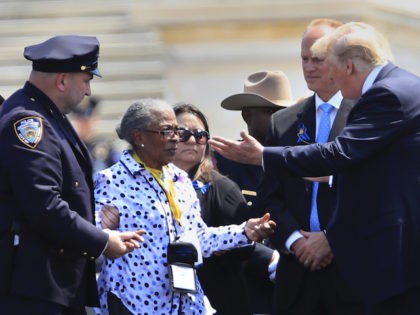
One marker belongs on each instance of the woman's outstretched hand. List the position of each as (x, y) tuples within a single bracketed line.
[(257, 229)]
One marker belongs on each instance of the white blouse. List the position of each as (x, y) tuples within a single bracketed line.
[(141, 279)]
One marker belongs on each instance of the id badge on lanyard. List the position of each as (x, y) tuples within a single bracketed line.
[(181, 259)]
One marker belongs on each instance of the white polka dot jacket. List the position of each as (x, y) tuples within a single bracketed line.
[(141, 279)]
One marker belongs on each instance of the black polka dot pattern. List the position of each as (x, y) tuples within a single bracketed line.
[(140, 279)]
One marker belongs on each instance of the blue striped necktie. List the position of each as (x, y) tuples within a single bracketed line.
[(322, 137)]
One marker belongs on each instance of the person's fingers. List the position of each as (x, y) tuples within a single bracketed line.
[(261, 220), (258, 229), (132, 237), (220, 143), (272, 224), (140, 232), (244, 135)]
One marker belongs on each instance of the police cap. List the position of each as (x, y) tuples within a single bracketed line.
[(65, 53)]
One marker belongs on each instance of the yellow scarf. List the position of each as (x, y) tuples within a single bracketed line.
[(167, 184)]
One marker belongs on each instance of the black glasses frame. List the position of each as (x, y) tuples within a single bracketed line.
[(167, 133), (200, 136)]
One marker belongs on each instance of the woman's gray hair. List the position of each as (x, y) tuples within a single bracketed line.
[(140, 115)]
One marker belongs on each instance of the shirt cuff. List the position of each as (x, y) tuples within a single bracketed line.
[(293, 238), (262, 162), (106, 245)]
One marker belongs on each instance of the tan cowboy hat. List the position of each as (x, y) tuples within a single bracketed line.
[(262, 89)]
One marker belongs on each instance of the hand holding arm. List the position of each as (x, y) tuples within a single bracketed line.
[(248, 151), (121, 243)]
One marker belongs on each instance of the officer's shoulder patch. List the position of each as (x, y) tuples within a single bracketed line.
[(29, 130)]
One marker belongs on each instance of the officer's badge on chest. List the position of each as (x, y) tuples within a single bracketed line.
[(29, 131)]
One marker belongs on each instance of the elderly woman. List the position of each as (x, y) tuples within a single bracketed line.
[(151, 193)]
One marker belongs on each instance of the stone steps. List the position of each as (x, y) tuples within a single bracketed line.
[(131, 56)]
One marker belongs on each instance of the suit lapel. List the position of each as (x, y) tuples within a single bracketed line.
[(341, 118), (77, 144), (307, 117), (73, 139)]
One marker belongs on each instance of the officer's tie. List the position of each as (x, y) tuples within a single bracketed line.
[(322, 137)]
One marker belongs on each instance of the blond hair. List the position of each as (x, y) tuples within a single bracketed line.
[(357, 41), (330, 23)]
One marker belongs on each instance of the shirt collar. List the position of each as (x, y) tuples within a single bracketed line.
[(335, 101), (138, 169), (132, 166), (370, 79)]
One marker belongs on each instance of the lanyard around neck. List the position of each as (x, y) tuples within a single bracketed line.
[(166, 182)]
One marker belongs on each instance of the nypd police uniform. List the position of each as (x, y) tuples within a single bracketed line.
[(47, 239)]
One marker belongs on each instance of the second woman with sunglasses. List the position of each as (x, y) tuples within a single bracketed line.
[(221, 276)]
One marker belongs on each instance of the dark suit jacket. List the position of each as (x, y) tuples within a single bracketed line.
[(247, 176), (375, 232), (287, 197), (47, 191), (225, 279)]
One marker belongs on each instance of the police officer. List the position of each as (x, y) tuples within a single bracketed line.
[(47, 240)]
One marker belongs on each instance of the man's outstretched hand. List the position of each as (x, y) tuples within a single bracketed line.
[(247, 151)]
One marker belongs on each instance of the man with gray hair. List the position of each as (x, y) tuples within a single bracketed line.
[(375, 232), (309, 281)]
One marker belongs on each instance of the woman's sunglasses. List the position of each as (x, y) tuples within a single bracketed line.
[(200, 136)]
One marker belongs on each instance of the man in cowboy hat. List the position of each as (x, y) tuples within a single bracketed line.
[(264, 93)]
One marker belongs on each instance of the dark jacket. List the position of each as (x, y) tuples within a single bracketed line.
[(228, 280), (46, 195), (288, 199), (375, 232)]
